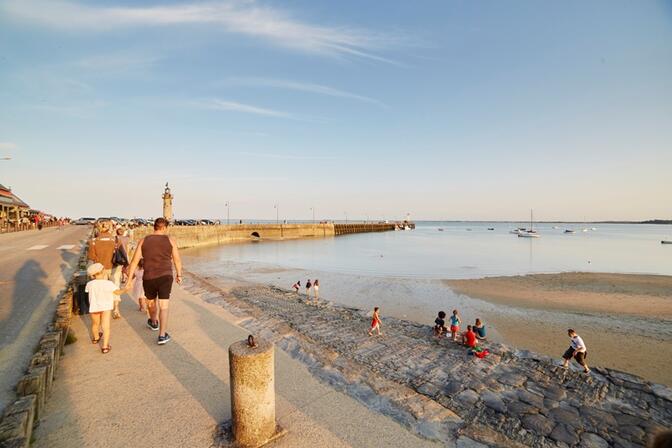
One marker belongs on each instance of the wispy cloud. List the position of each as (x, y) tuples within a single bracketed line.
[(270, 155), (234, 106), (298, 86), (8, 146), (243, 17)]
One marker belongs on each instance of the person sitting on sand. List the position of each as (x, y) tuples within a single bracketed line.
[(455, 325), (576, 350), (296, 286), (102, 294), (375, 322), (469, 337), (440, 325), (479, 329)]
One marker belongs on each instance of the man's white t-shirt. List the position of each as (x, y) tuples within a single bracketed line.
[(578, 344), (101, 295)]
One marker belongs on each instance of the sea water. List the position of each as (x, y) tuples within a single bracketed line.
[(402, 271)]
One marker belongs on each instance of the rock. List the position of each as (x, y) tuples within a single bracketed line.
[(538, 424), (519, 408), (633, 433), (591, 440), (564, 433), (468, 396), (466, 442), (597, 418), (476, 385), (452, 387), (493, 401), (568, 416), (530, 398), (555, 393), (512, 379), (662, 391), (625, 419)]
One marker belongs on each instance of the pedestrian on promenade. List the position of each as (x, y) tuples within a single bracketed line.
[(101, 248), (308, 286), (577, 350), (159, 252), (138, 291), (440, 325), (316, 290), (102, 296), (296, 286), (479, 329), (375, 322), (455, 325), (120, 264)]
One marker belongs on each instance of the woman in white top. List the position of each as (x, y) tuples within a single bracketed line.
[(102, 294), (316, 290)]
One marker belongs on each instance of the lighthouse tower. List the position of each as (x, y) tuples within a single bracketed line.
[(168, 204)]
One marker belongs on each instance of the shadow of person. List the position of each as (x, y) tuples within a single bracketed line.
[(28, 294)]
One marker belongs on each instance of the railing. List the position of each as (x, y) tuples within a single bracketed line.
[(21, 227)]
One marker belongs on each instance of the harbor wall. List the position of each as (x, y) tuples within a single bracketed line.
[(195, 236)]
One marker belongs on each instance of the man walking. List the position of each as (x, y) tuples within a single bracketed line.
[(101, 248), (576, 350), (158, 252)]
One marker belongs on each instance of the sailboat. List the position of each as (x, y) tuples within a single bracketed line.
[(531, 233)]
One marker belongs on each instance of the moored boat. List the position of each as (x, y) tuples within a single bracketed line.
[(666, 242)]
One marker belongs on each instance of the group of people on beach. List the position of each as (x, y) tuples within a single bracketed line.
[(314, 285), (149, 276)]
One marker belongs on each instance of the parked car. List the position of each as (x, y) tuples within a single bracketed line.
[(84, 221)]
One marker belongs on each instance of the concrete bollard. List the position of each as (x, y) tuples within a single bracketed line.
[(252, 379)]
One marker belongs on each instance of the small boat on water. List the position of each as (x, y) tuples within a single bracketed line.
[(556, 227), (518, 230), (593, 228), (440, 229), (570, 231), (491, 228), (529, 234), (468, 230), (666, 242)]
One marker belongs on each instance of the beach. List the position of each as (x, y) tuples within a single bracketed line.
[(625, 319)]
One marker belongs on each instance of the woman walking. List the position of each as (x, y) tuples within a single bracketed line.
[(316, 290), (375, 322)]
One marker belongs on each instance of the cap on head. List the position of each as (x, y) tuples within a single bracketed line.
[(160, 223), (95, 268)]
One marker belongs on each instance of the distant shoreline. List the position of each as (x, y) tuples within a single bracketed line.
[(650, 221)]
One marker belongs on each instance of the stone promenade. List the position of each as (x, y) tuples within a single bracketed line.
[(510, 398)]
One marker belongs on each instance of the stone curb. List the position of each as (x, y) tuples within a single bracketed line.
[(34, 388)]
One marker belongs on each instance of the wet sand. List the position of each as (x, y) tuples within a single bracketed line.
[(627, 310)]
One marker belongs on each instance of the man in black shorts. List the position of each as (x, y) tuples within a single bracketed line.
[(159, 253)]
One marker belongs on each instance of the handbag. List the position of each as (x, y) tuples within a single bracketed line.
[(119, 257)]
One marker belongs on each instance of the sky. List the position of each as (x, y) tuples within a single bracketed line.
[(445, 109)]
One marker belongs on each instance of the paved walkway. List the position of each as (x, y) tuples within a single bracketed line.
[(142, 394), (510, 398), (34, 267)]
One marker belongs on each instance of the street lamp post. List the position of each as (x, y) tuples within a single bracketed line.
[(228, 208), (313, 210), (277, 213), (346, 217)]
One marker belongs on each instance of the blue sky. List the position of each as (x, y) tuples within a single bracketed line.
[(444, 109)]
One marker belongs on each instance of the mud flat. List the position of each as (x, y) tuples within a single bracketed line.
[(433, 387), (626, 319)]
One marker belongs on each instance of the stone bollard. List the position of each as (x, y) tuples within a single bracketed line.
[(252, 380)]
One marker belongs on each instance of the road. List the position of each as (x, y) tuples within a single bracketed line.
[(34, 267)]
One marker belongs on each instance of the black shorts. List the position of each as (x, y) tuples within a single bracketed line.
[(580, 357), (158, 287)]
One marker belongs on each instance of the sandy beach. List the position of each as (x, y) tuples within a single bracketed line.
[(632, 316)]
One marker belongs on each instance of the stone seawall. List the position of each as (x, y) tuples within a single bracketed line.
[(512, 398), (193, 236)]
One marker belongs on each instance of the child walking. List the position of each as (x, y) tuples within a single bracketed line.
[(102, 295), (455, 325), (375, 322), (138, 291)]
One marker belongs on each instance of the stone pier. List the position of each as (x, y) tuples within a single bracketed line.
[(433, 387)]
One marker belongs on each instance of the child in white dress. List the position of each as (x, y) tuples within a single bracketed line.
[(102, 295)]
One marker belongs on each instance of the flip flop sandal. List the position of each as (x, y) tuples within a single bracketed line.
[(116, 316), (106, 350), (95, 341)]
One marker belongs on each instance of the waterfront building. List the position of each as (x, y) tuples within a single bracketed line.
[(12, 209)]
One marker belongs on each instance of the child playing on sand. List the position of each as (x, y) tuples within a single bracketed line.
[(375, 323), (296, 286), (576, 350), (138, 291), (102, 295), (440, 325), (455, 325), (479, 329), (469, 337)]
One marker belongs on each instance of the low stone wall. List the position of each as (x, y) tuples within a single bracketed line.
[(33, 389)]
